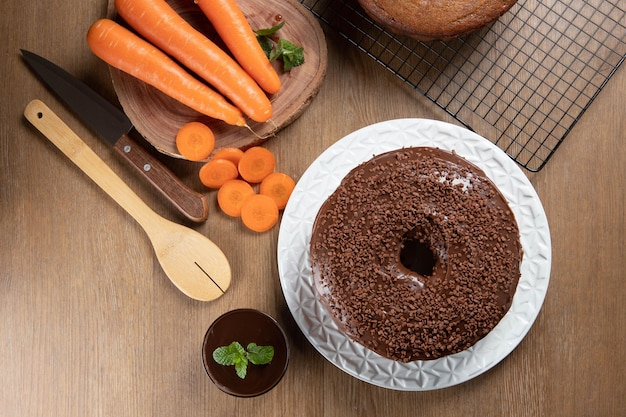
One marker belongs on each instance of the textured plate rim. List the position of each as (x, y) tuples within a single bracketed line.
[(321, 179)]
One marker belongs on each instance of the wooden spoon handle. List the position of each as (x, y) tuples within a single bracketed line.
[(53, 128)]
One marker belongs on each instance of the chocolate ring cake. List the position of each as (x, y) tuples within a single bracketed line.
[(427, 20), (416, 255)]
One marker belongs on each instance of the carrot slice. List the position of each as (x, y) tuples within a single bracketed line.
[(278, 186), (122, 49), (216, 172), (232, 154), (232, 26), (159, 23), (195, 141), (256, 163), (232, 194), (259, 213)]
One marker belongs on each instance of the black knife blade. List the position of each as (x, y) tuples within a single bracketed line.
[(113, 125)]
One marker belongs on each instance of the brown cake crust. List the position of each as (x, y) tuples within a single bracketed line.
[(428, 20), (368, 279)]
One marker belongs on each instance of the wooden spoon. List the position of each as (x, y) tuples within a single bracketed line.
[(191, 261)]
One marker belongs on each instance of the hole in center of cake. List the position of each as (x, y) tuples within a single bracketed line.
[(417, 257)]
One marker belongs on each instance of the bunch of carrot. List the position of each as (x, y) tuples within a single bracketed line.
[(241, 84), (240, 91)]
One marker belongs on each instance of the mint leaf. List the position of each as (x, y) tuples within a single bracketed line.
[(229, 355), (260, 355), (269, 31), (291, 54), (241, 367), (267, 44)]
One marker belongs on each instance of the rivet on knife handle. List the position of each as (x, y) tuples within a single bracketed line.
[(192, 204)]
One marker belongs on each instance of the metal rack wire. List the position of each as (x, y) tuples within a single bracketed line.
[(522, 82)]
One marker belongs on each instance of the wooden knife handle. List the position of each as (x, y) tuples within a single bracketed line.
[(191, 203)]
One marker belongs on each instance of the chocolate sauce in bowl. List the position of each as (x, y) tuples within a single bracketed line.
[(246, 326)]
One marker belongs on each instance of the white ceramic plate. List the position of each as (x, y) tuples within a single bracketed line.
[(323, 177)]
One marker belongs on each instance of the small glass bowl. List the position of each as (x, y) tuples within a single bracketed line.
[(246, 326)]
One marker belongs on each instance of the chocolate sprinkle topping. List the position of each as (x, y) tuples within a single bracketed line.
[(416, 255)]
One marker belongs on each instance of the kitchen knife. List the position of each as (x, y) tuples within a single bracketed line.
[(113, 125)]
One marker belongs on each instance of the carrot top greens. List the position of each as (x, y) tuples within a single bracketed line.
[(291, 54)]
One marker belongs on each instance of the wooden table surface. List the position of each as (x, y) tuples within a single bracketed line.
[(90, 325)]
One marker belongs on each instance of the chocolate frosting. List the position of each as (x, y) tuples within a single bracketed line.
[(416, 255)]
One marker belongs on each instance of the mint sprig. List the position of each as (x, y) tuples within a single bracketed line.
[(235, 354), (291, 54)]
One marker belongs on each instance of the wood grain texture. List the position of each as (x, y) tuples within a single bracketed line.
[(90, 325)]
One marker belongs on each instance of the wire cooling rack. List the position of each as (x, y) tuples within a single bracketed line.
[(522, 82)]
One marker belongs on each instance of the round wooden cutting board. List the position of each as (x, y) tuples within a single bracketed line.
[(158, 117)]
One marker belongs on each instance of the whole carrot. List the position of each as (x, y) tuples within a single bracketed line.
[(234, 29), (124, 50), (163, 27)]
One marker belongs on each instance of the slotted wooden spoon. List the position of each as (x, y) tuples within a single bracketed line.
[(191, 261)]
